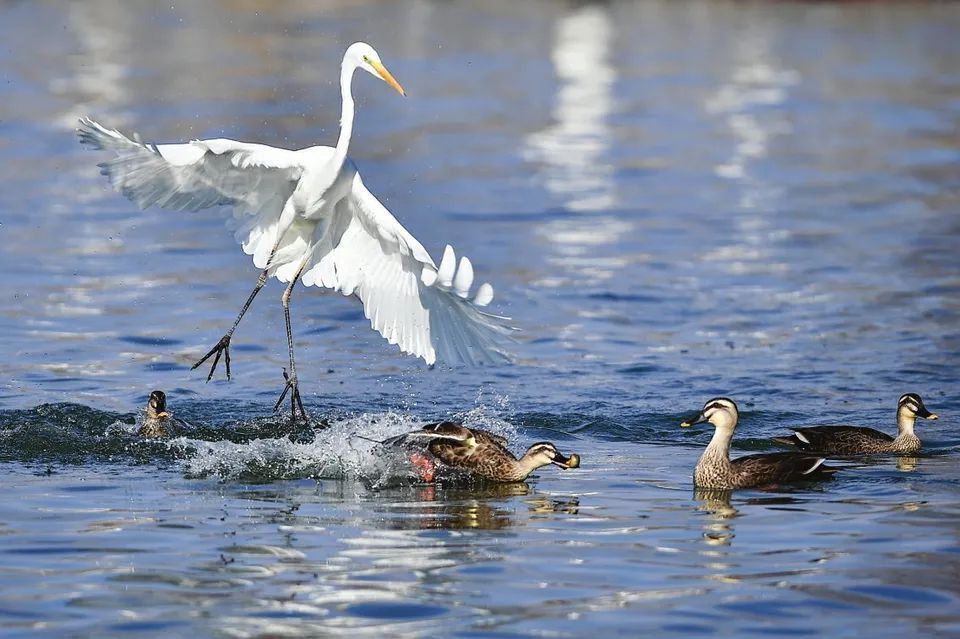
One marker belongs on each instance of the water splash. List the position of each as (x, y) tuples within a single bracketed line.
[(258, 449), (344, 448)]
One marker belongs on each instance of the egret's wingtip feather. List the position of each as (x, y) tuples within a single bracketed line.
[(464, 277), (448, 265), (484, 295), (428, 275)]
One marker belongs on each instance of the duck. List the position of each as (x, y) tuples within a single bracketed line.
[(715, 469), (479, 453), (157, 422), (859, 440)]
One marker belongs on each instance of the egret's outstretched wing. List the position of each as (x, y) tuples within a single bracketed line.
[(423, 309), (255, 179)]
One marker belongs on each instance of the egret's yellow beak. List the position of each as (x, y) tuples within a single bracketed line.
[(387, 77)]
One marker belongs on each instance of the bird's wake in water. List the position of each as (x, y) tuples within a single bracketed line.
[(346, 448), (253, 449)]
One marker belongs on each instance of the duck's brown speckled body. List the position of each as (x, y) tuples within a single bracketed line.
[(858, 440), (478, 452), (715, 469), (156, 422)]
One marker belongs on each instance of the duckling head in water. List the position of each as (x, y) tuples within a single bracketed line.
[(157, 405), (157, 418)]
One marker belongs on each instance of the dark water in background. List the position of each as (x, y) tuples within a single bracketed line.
[(673, 200)]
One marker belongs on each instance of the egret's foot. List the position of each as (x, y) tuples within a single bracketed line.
[(295, 402), (222, 347)]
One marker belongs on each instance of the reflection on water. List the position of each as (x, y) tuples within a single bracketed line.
[(482, 506), (907, 463), (719, 529), (750, 103), (573, 150), (572, 154)]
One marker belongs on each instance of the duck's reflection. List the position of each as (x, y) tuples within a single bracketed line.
[(718, 530), (476, 506), (907, 463)]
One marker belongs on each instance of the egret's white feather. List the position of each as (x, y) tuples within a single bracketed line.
[(255, 179), (381, 263), (448, 264), (463, 280), (484, 295), (357, 247)]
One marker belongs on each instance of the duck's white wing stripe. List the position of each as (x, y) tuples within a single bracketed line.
[(815, 466), (380, 262)]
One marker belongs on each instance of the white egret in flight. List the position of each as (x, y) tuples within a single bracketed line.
[(306, 215)]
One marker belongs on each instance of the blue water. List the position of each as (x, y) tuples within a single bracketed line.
[(672, 200)]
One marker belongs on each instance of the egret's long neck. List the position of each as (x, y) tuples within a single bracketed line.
[(346, 113)]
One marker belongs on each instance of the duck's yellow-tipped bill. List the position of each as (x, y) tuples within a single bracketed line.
[(163, 413), (566, 463), (387, 76)]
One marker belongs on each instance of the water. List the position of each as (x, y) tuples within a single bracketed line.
[(673, 201)]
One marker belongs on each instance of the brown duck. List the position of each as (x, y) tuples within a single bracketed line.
[(716, 470), (156, 421), (477, 452), (858, 440)]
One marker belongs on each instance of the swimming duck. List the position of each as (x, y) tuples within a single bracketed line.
[(156, 422), (716, 470), (478, 452), (858, 440)]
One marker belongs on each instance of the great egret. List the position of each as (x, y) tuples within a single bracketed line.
[(306, 215)]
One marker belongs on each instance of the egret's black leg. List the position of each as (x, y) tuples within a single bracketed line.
[(295, 402), (223, 346), (291, 378)]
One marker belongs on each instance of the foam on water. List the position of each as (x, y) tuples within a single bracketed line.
[(259, 449), (346, 448)]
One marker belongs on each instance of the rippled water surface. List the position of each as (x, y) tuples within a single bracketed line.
[(673, 201)]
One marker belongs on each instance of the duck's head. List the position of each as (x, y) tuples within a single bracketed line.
[(911, 406), (720, 411), (544, 453), (157, 405)]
